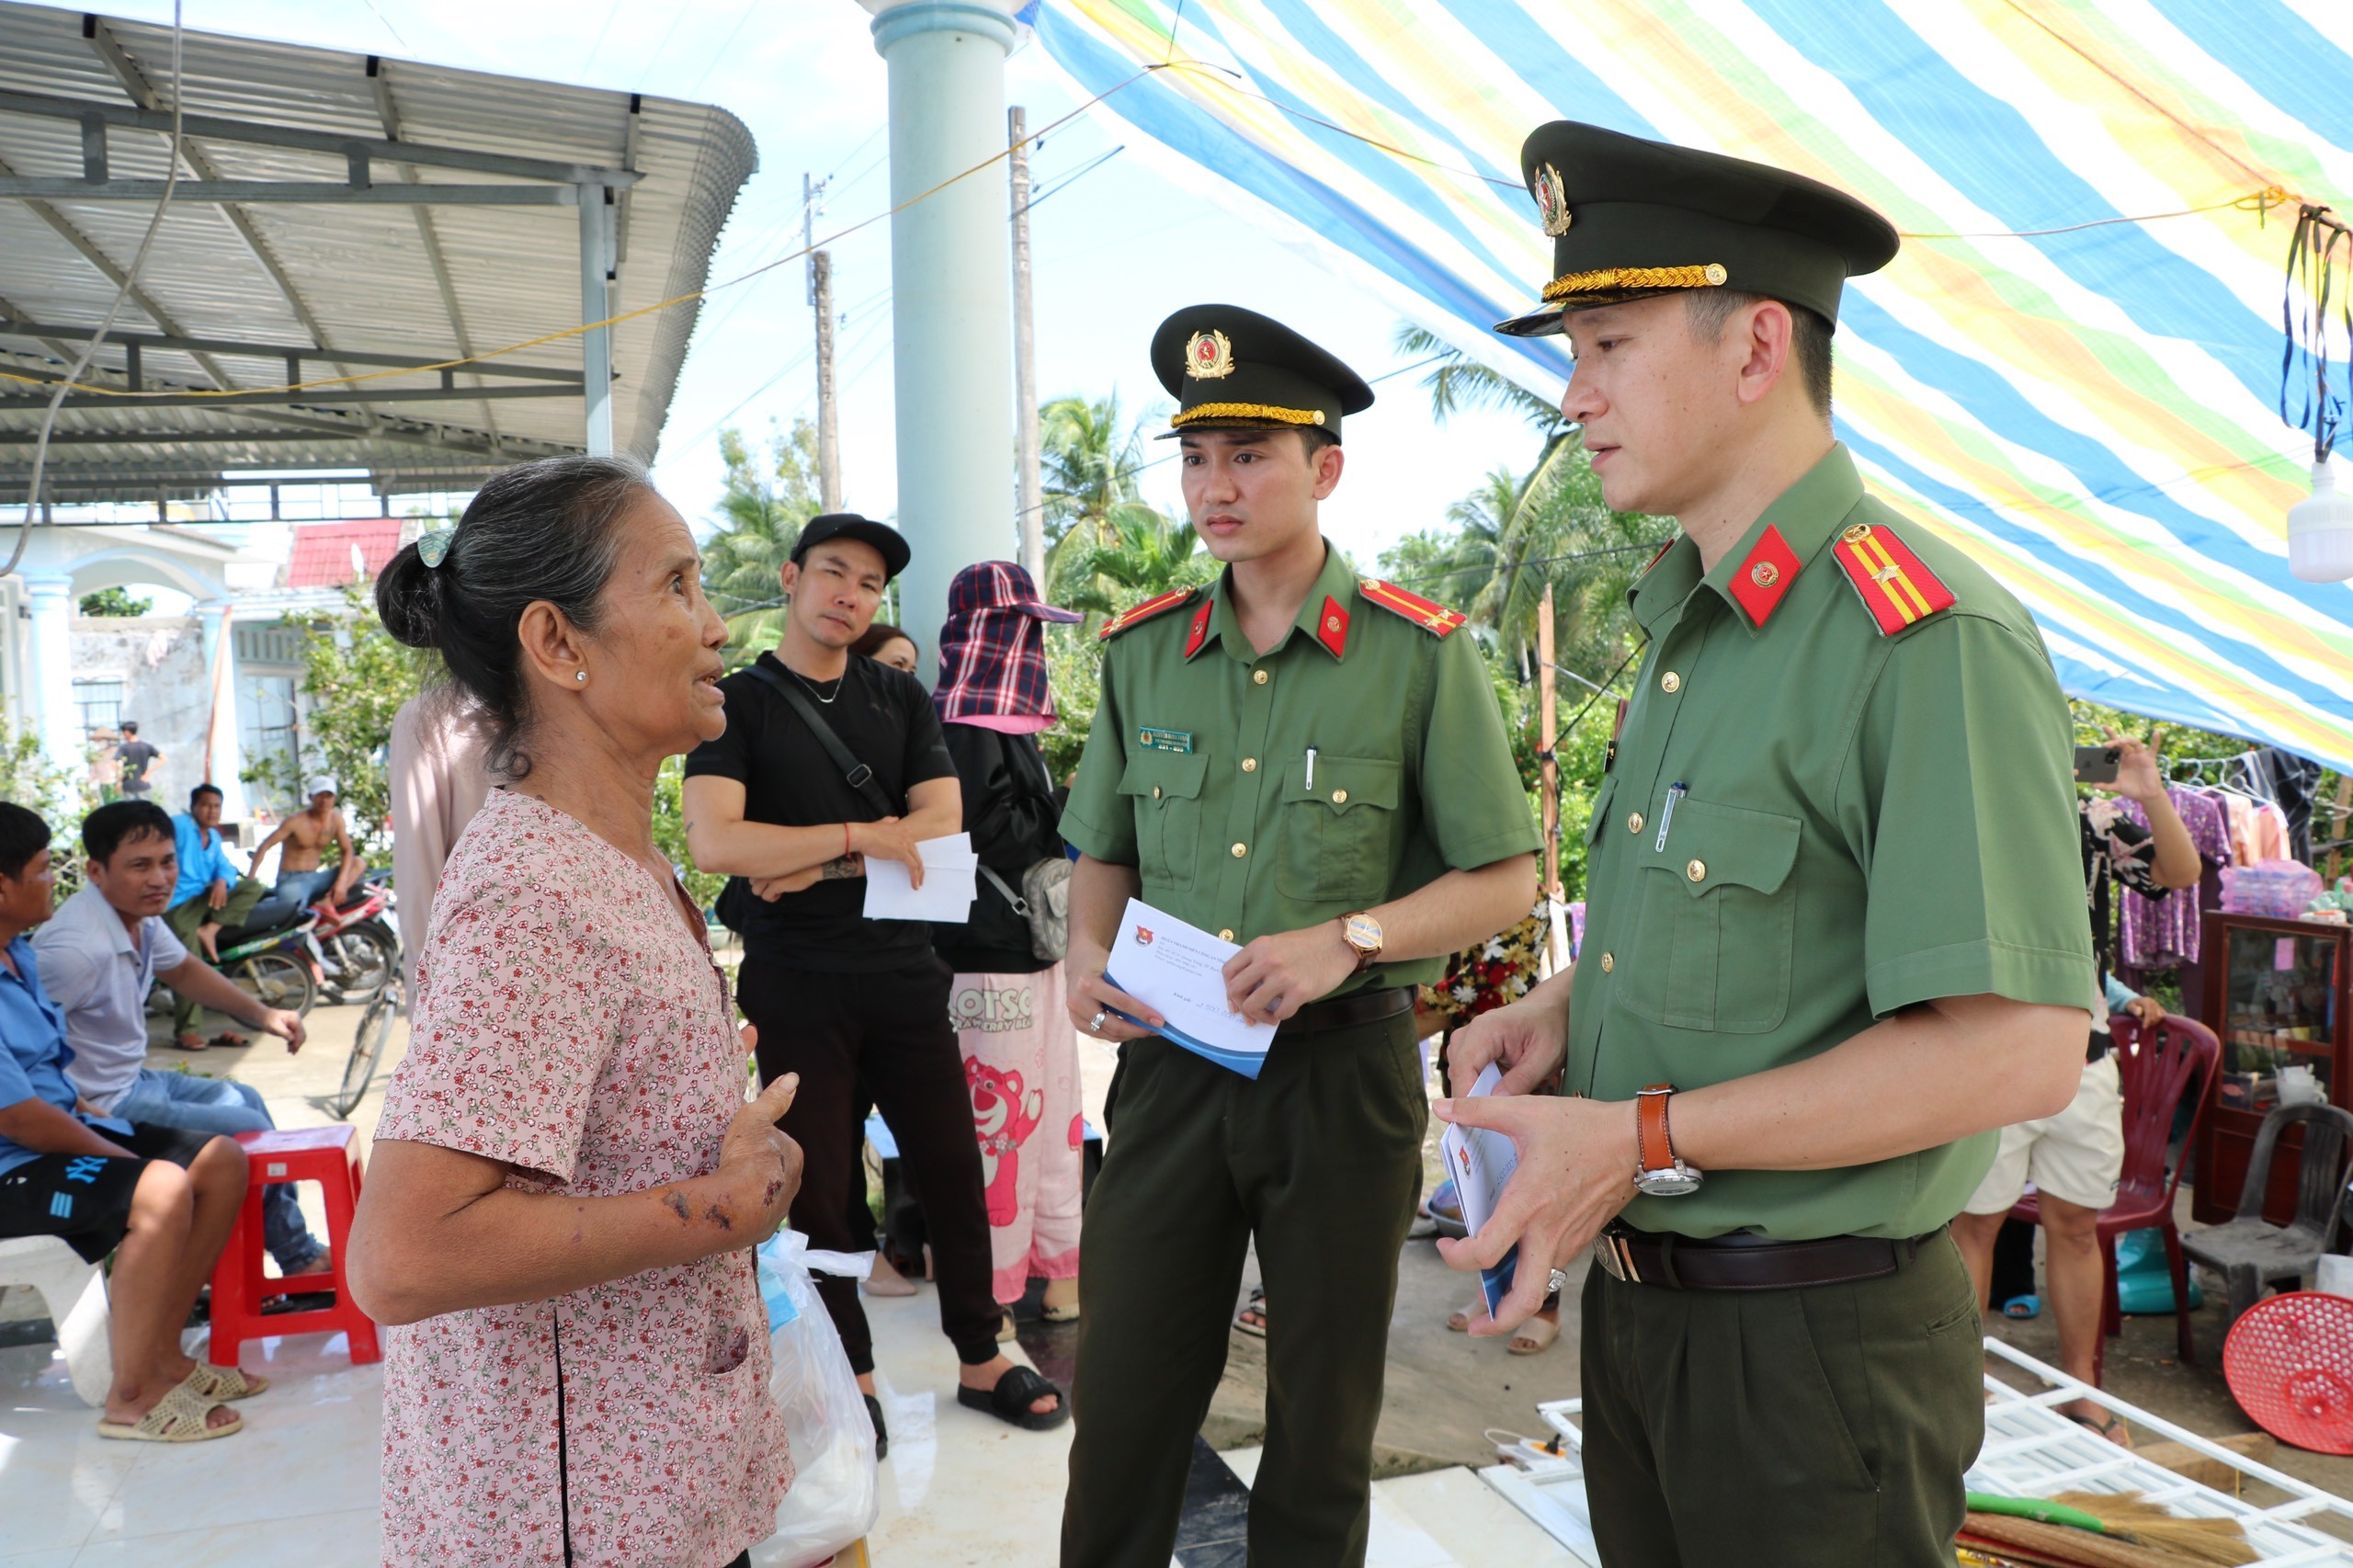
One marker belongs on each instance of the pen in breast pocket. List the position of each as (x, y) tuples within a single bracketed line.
[(1673, 793), (1311, 768)]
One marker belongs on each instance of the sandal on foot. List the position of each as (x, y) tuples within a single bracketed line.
[(1004, 1326), (1535, 1336), (181, 1042), (886, 1281), (180, 1416), (1255, 1307), (882, 1433), (222, 1384), (1012, 1397), (2107, 1428), (2022, 1307)]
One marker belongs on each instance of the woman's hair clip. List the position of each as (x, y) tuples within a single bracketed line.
[(434, 548)]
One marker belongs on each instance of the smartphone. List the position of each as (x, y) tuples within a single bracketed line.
[(2097, 765)]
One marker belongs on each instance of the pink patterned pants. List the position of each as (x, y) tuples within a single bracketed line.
[(1021, 1063)]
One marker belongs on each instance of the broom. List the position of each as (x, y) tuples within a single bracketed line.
[(2125, 1517)]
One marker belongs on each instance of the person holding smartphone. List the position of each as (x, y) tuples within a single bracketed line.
[(2075, 1158)]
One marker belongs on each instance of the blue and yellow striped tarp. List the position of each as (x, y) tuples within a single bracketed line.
[(2071, 370)]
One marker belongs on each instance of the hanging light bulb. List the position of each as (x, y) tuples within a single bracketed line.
[(2320, 530)]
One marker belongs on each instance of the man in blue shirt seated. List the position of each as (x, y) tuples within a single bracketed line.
[(102, 953), (211, 893), (160, 1199)]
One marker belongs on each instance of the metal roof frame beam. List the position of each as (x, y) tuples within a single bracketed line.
[(295, 399), (313, 192), (212, 128), (243, 350)]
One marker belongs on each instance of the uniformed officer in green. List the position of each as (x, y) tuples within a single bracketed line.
[(1835, 932), (1314, 766)]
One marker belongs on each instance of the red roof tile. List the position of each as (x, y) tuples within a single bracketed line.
[(323, 551)]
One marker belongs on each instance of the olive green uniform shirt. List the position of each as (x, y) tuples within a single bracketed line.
[(1196, 771), (1871, 821)]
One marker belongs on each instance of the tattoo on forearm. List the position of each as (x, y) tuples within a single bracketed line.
[(841, 867)]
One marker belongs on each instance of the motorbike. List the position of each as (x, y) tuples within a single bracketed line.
[(360, 950), (280, 964)]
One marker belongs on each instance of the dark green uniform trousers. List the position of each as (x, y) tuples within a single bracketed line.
[(1319, 1160), (1820, 1427)]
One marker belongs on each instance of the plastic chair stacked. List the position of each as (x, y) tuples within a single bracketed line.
[(2158, 1065), (2250, 1253), (323, 1154)]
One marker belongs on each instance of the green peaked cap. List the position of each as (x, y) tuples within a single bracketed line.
[(1234, 369)]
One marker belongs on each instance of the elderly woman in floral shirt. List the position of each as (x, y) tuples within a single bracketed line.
[(566, 1182)]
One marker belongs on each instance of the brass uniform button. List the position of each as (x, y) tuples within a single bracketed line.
[(1257, 678), (1240, 850), (1226, 934), (1634, 823), (1339, 797), (1608, 963), (1697, 870), (1155, 792), (1670, 682), (1857, 534), (1249, 765)]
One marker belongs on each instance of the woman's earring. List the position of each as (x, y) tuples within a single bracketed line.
[(580, 675)]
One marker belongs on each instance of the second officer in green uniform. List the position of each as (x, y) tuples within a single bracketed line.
[(1312, 764), (1835, 931)]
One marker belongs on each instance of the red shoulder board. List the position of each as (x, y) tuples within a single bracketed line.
[(1434, 619), (1137, 615), (1889, 578)]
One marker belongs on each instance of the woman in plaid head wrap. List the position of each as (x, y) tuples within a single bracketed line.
[(1020, 1055)]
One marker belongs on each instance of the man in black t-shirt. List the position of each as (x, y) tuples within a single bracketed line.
[(858, 1007)]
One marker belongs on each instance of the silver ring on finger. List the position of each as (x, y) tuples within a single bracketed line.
[(1094, 1024), (1558, 1283)]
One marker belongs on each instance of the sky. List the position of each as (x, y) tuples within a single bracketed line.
[(1114, 252)]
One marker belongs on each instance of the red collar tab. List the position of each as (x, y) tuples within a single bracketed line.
[(1332, 626), (1198, 632), (1888, 578), (1759, 582), (1139, 614), (1434, 619), (1656, 559)]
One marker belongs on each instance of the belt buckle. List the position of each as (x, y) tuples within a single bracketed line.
[(1616, 1259)]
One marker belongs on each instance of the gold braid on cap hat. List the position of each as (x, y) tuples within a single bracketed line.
[(1610, 278), (1248, 410)]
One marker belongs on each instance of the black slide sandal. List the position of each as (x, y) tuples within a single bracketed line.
[(882, 1433), (1011, 1399)]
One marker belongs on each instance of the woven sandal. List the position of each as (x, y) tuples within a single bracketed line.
[(222, 1384), (178, 1417)]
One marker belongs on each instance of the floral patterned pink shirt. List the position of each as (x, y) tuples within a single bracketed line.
[(567, 1023)]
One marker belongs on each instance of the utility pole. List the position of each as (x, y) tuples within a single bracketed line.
[(821, 297), (1027, 488)]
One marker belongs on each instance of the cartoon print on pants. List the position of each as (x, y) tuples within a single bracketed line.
[(1004, 1117)]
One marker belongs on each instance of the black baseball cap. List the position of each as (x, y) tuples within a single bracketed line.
[(889, 542)]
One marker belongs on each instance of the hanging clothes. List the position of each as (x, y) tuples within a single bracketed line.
[(2294, 780), (2161, 931)]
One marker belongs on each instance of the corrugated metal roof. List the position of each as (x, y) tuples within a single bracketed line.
[(357, 278), (328, 555)]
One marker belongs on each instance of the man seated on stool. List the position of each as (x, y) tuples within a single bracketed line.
[(161, 1199), (2075, 1158), (99, 958), (211, 893)]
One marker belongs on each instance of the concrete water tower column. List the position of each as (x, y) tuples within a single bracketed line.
[(951, 302)]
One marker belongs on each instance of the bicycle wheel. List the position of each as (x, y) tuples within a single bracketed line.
[(278, 981), (366, 1052), (361, 960)]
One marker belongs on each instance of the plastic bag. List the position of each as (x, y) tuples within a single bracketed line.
[(2280, 888), (834, 1497)]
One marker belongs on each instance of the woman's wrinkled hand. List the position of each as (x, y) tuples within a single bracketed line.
[(758, 1162)]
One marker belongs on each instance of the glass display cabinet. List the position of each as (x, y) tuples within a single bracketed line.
[(2275, 996)]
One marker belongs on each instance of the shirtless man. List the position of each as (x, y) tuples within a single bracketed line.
[(301, 881)]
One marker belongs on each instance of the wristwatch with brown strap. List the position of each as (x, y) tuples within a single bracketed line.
[(1659, 1171)]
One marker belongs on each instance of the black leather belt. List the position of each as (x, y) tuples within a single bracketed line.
[(1347, 1012), (1748, 1263)]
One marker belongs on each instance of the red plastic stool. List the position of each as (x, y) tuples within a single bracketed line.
[(323, 1154)]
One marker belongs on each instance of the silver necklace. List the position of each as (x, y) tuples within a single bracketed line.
[(812, 685)]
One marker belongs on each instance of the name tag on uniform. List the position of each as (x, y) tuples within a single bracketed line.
[(1164, 740)]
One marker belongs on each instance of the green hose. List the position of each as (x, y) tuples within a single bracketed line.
[(2037, 1509)]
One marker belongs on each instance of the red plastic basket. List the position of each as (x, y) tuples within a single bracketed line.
[(2290, 1365)]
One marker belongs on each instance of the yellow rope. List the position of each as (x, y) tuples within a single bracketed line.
[(1248, 410), (1610, 278)]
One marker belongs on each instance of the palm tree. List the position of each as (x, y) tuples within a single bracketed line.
[(761, 512), (1089, 458), (1147, 554)]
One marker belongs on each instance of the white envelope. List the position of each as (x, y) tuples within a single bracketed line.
[(950, 882)]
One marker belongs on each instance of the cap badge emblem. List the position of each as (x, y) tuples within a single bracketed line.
[(1208, 356), (1763, 574), (1715, 274), (1551, 200)]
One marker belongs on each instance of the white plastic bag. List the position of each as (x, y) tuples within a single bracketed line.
[(834, 1497)]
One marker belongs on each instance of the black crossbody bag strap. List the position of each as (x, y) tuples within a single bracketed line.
[(856, 774)]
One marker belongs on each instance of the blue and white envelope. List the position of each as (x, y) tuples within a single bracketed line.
[(1481, 1161), (1178, 971)]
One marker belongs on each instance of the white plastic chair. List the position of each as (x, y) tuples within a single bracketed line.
[(76, 1294)]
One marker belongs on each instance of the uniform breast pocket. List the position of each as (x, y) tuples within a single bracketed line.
[(1719, 910), (1165, 790), (1337, 835)]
